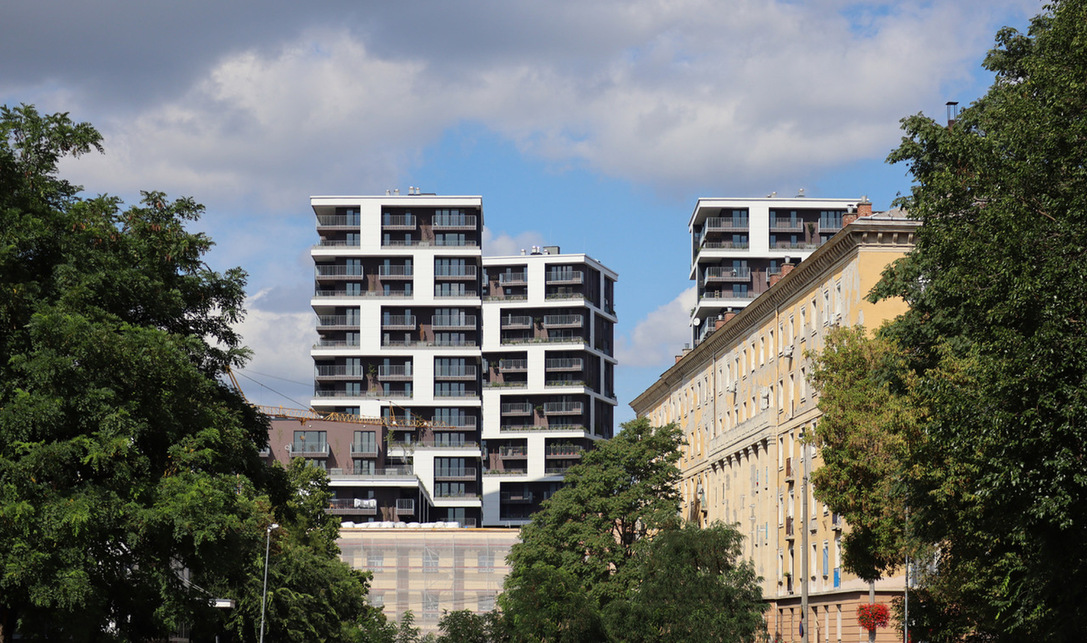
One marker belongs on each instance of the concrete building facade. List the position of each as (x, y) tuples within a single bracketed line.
[(485, 377), (743, 401), (739, 245)]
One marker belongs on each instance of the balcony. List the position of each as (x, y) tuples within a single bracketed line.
[(323, 271), (564, 451), (405, 506), (337, 243), (442, 293), (387, 472), (516, 408), (552, 364), (828, 225), (513, 279), (728, 273), (454, 222), (516, 322), (562, 321), (461, 473), (398, 222), (398, 322), (786, 225), (396, 272), (725, 245), (556, 471), (512, 452), (334, 371), (364, 450), (394, 372), (563, 408), (466, 372), (566, 381), (789, 535), (564, 295), (332, 322), (309, 450), (344, 294), (728, 294), (455, 272), (443, 343), (465, 423), (466, 394), (337, 343), (516, 497), (453, 322), (338, 221), (512, 365), (836, 522), (564, 277), (352, 506), (518, 471), (724, 224), (790, 476)]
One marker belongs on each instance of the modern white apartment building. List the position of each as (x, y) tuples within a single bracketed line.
[(490, 375), (737, 245)]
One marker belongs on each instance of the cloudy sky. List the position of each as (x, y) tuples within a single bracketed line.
[(592, 125)]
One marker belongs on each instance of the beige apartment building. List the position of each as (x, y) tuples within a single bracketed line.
[(743, 400)]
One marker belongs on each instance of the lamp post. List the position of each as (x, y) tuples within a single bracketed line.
[(264, 594)]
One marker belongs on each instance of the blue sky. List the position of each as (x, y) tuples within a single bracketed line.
[(594, 126)]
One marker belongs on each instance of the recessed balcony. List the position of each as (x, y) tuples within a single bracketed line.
[(454, 222), (513, 278), (398, 322), (728, 273), (395, 272), (562, 321), (453, 322), (564, 277), (455, 272), (563, 364), (398, 222)]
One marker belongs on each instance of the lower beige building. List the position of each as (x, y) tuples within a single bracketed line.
[(429, 568), (744, 403)]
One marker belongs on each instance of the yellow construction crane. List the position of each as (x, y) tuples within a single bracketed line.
[(410, 420)]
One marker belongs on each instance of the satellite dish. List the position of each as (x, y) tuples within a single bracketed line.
[(696, 322)]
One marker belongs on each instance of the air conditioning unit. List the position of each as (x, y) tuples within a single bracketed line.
[(731, 388), (788, 352)]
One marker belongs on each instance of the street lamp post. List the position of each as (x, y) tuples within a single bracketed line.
[(264, 594)]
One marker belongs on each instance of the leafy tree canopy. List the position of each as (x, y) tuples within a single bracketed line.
[(606, 557), (131, 489), (995, 346)]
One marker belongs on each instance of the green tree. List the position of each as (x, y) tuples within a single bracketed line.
[(131, 489), (590, 528), (869, 426), (997, 287), (464, 626), (692, 585), (312, 594)]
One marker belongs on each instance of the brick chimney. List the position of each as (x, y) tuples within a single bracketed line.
[(786, 268), (864, 208)]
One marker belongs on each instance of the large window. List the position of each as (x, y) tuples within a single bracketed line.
[(310, 442), (364, 442)]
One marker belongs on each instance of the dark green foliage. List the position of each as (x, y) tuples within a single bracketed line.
[(624, 489), (996, 342), (131, 490), (868, 429), (464, 626), (312, 595), (606, 558), (692, 585)]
